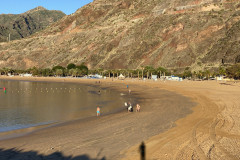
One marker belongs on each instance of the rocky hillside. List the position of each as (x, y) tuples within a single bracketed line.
[(114, 34), (23, 25)]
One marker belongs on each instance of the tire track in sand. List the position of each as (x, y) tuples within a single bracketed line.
[(197, 135), (182, 141)]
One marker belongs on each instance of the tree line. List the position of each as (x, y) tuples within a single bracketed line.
[(70, 70), (232, 71), (144, 72)]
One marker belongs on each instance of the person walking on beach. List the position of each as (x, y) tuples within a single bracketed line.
[(126, 105), (137, 108), (98, 111), (129, 91), (130, 108), (129, 104)]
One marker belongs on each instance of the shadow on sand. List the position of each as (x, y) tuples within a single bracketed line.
[(13, 154)]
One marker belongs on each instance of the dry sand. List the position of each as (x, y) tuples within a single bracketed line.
[(211, 131)]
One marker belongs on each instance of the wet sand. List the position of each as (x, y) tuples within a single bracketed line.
[(168, 124)]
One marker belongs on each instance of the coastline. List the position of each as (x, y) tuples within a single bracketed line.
[(28, 130), (192, 134), (124, 129)]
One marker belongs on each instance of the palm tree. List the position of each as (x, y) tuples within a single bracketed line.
[(99, 71), (142, 67), (138, 74), (207, 72), (194, 74), (59, 72), (200, 73), (149, 69), (222, 71), (104, 73), (118, 72), (109, 73), (71, 71), (131, 72), (161, 71), (113, 72)]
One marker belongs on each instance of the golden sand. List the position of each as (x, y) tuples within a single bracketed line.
[(211, 131)]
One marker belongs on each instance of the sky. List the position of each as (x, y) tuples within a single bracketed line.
[(21, 6)]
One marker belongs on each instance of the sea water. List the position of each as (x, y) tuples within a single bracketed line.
[(27, 104)]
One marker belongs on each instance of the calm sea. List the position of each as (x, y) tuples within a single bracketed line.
[(27, 104)]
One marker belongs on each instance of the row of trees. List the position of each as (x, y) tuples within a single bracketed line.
[(231, 72), (70, 70), (146, 71), (82, 70)]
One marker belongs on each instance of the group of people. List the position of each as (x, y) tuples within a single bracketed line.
[(130, 108), (127, 105)]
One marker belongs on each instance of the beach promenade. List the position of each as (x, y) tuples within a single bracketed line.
[(178, 120)]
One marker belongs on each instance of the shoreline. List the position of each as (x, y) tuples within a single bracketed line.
[(28, 130), (126, 129), (203, 132)]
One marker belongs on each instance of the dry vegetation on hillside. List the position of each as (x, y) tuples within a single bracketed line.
[(130, 34)]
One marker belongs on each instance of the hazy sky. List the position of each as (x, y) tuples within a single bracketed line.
[(21, 6)]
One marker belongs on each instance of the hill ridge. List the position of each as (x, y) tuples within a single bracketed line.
[(131, 34), (25, 24), (39, 8)]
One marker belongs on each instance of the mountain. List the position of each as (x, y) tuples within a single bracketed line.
[(23, 25), (116, 34)]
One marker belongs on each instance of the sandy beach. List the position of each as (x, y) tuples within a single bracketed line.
[(178, 120)]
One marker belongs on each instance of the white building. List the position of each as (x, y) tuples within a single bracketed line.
[(25, 75)]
